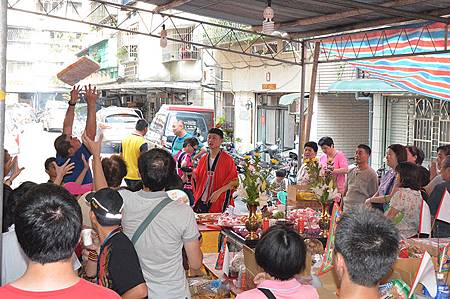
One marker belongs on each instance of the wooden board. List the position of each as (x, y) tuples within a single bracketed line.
[(78, 71)]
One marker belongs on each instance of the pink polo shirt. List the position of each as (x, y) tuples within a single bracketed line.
[(339, 161), (288, 289)]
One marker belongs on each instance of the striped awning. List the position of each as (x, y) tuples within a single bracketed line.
[(427, 75)]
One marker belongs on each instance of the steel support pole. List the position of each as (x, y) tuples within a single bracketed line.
[(3, 36), (302, 104)]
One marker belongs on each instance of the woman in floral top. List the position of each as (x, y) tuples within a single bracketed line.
[(405, 204), (395, 154), (309, 152)]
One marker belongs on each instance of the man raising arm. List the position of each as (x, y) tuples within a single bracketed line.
[(69, 146)]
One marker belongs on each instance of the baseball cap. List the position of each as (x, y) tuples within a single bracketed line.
[(107, 203)]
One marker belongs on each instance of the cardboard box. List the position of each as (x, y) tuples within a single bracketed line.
[(296, 202), (293, 189), (429, 244), (404, 268), (252, 268)]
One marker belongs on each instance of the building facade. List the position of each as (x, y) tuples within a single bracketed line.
[(38, 48)]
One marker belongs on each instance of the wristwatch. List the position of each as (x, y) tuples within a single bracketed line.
[(72, 104)]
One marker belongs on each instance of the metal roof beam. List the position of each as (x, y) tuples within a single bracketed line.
[(171, 5), (343, 30), (179, 17), (336, 16), (236, 35), (387, 10)]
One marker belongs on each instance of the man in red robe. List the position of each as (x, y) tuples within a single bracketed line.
[(215, 177)]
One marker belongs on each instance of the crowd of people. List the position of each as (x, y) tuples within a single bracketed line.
[(402, 193), (85, 234)]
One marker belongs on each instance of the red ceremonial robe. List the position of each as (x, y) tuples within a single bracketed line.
[(224, 173)]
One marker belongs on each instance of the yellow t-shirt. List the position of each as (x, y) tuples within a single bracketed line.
[(130, 153)]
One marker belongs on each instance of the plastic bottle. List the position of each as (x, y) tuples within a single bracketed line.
[(215, 284), (317, 263), (425, 292), (442, 287)]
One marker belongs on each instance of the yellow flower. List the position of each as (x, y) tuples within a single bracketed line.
[(307, 161), (247, 157), (263, 186), (257, 154), (274, 161), (314, 159)]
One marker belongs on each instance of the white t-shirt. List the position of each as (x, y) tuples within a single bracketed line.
[(159, 247), (14, 260)]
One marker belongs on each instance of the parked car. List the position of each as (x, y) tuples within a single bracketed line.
[(22, 113), (53, 116), (197, 121), (115, 123)]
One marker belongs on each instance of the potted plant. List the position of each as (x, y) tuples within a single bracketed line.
[(254, 183), (323, 185)]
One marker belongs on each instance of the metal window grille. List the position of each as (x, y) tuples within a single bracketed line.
[(176, 51), (423, 125)]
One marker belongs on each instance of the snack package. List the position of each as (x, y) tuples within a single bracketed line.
[(444, 260), (314, 246), (395, 289), (236, 262)]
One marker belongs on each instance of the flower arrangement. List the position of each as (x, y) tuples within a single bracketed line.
[(321, 181), (312, 171), (254, 180)]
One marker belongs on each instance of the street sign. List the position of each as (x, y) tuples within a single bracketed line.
[(270, 86)]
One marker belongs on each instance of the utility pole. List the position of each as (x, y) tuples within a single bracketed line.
[(301, 114), (3, 36)]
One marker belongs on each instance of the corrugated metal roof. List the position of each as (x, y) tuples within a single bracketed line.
[(250, 11)]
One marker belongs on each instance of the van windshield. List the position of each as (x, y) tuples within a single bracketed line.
[(192, 121), (157, 124), (121, 118)]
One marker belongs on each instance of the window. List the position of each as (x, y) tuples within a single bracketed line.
[(121, 118), (274, 122), (19, 34), (131, 69), (291, 46), (18, 67), (270, 48), (133, 51), (228, 110), (157, 124), (180, 50)]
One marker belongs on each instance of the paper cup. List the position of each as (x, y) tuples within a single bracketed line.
[(86, 236)]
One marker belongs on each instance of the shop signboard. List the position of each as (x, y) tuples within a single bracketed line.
[(269, 86)]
